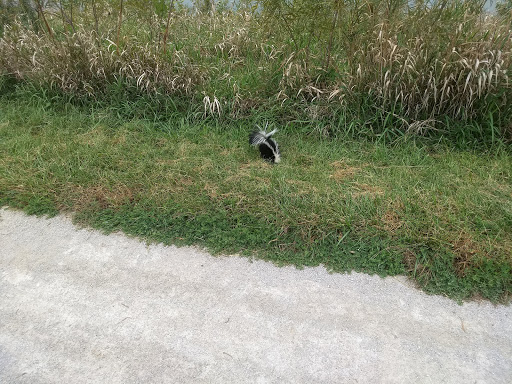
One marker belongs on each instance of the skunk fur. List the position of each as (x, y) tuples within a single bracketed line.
[(269, 150)]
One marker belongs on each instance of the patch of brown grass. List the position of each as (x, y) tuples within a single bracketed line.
[(391, 221), (206, 165), (409, 260), (250, 171), (96, 136), (366, 190), (105, 197), (465, 250), (342, 171), (342, 174), (211, 191), (304, 187), (162, 142)]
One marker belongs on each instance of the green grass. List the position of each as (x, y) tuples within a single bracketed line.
[(441, 215)]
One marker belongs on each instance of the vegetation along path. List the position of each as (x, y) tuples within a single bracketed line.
[(440, 215)]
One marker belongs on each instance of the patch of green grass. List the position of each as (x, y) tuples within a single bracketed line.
[(442, 216)]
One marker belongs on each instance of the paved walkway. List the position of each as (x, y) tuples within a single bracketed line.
[(77, 306)]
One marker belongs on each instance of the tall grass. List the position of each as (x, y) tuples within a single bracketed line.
[(360, 66)]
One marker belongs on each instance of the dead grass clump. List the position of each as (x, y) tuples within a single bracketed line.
[(391, 221), (211, 191), (410, 260), (170, 186), (465, 250), (102, 196), (303, 187), (343, 174), (366, 190), (342, 171)]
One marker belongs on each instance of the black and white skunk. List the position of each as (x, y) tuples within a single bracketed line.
[(268, 147)]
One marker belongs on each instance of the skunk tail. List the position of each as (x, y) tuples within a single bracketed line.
[(259, 137)]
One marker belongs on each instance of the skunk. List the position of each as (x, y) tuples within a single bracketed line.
[(268, 147)]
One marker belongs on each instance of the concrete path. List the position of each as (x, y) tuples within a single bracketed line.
[(77, 306)]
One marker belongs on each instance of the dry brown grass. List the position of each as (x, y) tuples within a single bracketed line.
[(102, 196), (417, 67), (79, 64), (424, 81), (392, 220), (342, 172), (362, 189), (303, 187), (410, 260), (465, 250)]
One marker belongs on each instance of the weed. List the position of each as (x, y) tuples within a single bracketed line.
[(366, 68)]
